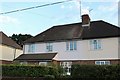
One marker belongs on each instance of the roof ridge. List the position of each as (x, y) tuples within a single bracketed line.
[(74, 23)]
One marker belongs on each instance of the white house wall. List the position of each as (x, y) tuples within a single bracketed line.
[(119, 49), (7, 53), (109, 50)]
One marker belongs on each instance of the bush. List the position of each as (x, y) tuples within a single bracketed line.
[(78, 72), (28, 71), (96, 71)]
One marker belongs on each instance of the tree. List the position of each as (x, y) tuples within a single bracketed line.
[(20, 38)]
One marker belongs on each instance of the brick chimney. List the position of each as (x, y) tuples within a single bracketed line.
[(85, 20)]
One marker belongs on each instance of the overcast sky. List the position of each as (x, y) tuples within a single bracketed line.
[(37, 20)]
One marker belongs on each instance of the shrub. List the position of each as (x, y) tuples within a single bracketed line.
[(28, 71), (96, 71)]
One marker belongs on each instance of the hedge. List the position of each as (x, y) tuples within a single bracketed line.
[(78, 72), (29, 71), (111, 72)]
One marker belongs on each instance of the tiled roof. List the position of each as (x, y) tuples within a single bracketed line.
[(36, 57), (5, 40), (97, 29)]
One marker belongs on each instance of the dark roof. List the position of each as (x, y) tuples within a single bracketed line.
[(98, 29), (5, 40), (36, 57)]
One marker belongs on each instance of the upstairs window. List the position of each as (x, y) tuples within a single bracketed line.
[(49, 47), (95, 44), (31, 48), (72, 45)]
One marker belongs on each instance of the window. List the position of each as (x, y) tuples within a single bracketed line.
[(31, 48), (66, 64), (72, 45), (49, 47), (43, 63), (67, 67), (95, 44), (23, 63), (102, 62)]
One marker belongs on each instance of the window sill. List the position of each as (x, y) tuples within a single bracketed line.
[(71, 50), (95, 49)]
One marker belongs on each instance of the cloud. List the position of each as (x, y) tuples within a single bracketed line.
[(62, 6), (112, 7), (7, 19), (108, 0), (84, 11), (70, 7), (77, 4)]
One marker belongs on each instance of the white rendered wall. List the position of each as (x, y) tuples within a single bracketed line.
[(109, 50)]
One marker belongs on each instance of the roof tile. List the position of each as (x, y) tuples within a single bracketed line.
[(97, 29), (4, 39)]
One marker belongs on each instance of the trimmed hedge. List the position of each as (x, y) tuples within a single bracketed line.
[(96, 71), (29, 71), (78, 72)]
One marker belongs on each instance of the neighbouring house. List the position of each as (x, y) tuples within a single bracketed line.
[(88, 42), (9, 50)]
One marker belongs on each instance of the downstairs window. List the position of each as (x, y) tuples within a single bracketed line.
[(102, 62)]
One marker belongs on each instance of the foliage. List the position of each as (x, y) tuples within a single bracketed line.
[(96, 71), (78, 72), (29, 71), (20, 38)]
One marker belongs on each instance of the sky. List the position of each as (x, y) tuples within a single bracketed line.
[(37, 20)]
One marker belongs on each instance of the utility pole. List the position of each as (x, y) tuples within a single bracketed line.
[(80, 8)]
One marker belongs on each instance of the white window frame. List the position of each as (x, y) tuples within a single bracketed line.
[(71, 45), (43, 63), (49, 47), (23, 63), (31, 48), (66, 65), (102, 62), (95, 44)]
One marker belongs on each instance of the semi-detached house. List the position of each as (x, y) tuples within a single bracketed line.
[(88, 42), (9, 49)]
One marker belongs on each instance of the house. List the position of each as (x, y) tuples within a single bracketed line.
[(9, 50), (89, 42)]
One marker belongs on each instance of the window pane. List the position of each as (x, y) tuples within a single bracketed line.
[(75, 45), (31, 48), (99, 44), (97, 62), (107, 62), (95, 44), (102, 62), (49, 47), (71, 45)]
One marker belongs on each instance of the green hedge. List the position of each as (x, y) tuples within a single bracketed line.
[(96, 71), (29, 71), (83, 72)]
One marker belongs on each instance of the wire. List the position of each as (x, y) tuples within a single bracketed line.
[(34, 7)]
